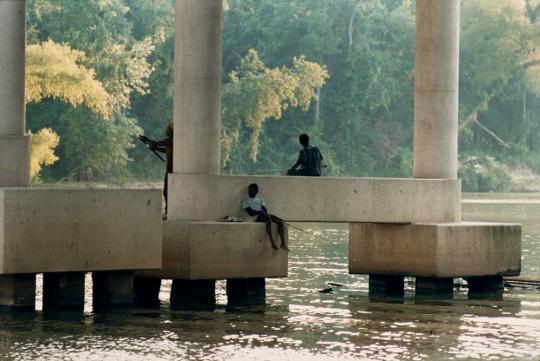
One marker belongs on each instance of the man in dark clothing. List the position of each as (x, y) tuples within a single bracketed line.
[(309, 161), (163, 146)]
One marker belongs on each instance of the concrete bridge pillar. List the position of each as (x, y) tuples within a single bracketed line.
[(197, 103), (436, 89), (435, 108), (14, 143)]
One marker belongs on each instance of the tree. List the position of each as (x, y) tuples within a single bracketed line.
[(54, 71), (257, 93), (103, 32)]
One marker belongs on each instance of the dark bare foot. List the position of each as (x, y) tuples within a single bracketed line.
[(284, 246)]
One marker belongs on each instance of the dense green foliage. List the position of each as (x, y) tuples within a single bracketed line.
[(340, 70)]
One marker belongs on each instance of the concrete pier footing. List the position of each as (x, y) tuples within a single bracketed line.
[(383, 286), (447, 250), (112, 289), (18, 292), (218, 251), (429, 286), (63, 291), (146, 292), (485, 284), (251, 291), (193, 295)]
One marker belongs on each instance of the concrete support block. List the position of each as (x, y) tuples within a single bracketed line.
[(47, 230), (250, 291), (218, 250), (382, 286), (435, 250), (193, 295), (112, 289), (146, 292), (429, 286), (206, 197), (63, 291), (14, 160), (18, 292)]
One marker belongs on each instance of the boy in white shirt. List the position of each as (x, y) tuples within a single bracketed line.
[(256, 208)]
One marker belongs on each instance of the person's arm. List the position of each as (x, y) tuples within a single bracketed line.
[(251, 211), (301, 160), (159, 145)]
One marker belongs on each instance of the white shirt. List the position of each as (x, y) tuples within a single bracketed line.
[(254, 203)]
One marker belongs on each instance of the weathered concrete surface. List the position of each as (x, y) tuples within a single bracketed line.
[(197, 102), (436, 89), (435, 250), (12, 55), (14, 160), (67, 230), (313, 199), (215, 250)]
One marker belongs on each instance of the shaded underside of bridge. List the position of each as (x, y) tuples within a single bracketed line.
[(399, 227)]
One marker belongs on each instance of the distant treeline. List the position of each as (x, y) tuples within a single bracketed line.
[(340, 70)]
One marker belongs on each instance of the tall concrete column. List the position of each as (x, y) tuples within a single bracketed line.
[(436, 89), (14, 144), (197, 103)]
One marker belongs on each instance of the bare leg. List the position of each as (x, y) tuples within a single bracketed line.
[(166, 192), (281, 231), (268, 222)]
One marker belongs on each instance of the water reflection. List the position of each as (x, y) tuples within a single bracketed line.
[(297, 322)]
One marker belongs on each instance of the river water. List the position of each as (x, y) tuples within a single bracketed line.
[(298, 323)]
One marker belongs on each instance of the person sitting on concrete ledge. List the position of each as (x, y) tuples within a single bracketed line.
[(309, 163), (256, 208)]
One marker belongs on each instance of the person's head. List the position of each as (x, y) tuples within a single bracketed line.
[(169, 129), (304, 139), (253, 189)]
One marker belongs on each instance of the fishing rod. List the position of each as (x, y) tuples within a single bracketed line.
[(321, 236), (276, 171), (270, 172), (145, 141)]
